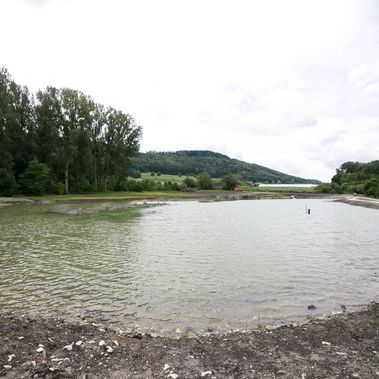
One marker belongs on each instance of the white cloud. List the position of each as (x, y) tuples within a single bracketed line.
[(290, 85)]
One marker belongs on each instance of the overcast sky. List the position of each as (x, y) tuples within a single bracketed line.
[(292, 85)]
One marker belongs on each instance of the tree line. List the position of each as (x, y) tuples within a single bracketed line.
[(61, 141), (354, 177), (194, 162)]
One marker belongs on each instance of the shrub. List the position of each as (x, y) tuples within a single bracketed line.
[(229, 182), (35, 179), (204, 181), (8, 185), (189, 182)]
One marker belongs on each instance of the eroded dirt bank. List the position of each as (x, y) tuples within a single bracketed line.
[(341, 346), (360, 201)]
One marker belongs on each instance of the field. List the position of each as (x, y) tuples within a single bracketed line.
[(165, 178)]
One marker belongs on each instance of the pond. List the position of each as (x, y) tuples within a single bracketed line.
[(189, 265)]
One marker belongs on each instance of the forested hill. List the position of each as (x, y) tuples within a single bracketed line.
[(193, 162)]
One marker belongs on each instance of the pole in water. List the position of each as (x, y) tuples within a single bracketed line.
[(309, 211)]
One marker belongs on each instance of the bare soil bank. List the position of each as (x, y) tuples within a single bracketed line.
[(359, 201), (340, 346)]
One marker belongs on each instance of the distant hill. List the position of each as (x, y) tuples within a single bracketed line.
[(193, 162)]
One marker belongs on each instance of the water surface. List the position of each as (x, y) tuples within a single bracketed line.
[(190, 265)]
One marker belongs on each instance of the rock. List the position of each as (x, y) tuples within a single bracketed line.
[(7, 367), (78, 343), (68, 347), (340, 353), (173, 375), (10, 357), (102, 343), (210, 330), (325, 343), (205, 373), (40, 349), (311, 307), (343, 307), (115, 343), (166, 367), (68, 370), (282, 372), (109, 349), (137, 336), (21, 338)]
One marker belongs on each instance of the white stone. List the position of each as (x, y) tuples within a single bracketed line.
[(115, 343), (205, 373), (102, 343), (68, 347), (8, 367), (325, 343), (109, 349), (78, 343), (173, 376), (40, 350), (166, 367), (10, 357)]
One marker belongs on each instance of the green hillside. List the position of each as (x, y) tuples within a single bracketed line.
[(193, 162)]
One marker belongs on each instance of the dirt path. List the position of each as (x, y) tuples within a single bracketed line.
[(340, 346)]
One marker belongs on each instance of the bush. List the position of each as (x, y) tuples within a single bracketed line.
[(35, 179), (57, 188), (204, 181), (8, 185), (134, 173), (229, 182), (189, 182)]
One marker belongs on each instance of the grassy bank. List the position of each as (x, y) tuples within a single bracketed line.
[(247, 193), (111, 196)]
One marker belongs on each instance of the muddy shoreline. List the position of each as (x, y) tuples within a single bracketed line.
[(344, 345), (360, 201)]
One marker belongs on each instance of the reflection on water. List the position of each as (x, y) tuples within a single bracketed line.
[(190, 265)]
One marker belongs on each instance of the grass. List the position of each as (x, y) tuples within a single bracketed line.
[(158, 195), (278, 189), (165, 178), (123, 214), (112, 196)]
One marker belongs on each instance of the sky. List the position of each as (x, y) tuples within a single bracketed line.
[(288, 84)]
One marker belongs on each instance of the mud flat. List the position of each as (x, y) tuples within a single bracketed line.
[(344, 345), (359, 201)]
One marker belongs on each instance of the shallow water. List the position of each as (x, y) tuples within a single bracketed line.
[(190, 265)]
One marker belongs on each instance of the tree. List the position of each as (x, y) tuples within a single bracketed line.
[(229, 182), (8, 185), (122, 138), (204, 181), (83, 144), (17, 121), (189, 182), (35, 180)]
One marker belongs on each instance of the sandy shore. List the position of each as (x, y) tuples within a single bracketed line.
[(340, 346)]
